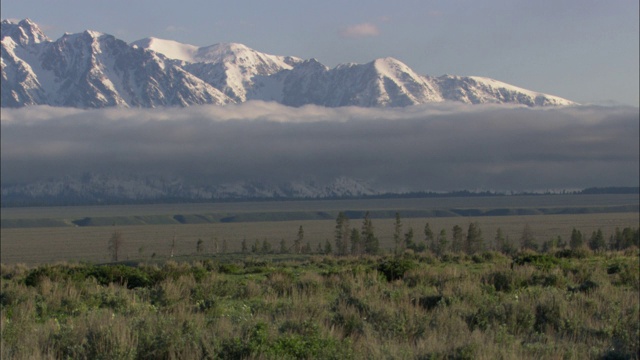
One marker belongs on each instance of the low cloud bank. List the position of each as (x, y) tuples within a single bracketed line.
[(438, 147)]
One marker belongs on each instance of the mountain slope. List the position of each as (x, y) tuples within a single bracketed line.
[(93, 70), (480, 90), (229, 67), (382, 82)]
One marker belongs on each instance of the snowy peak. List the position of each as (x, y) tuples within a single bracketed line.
[(24, 32), (234, 53), (399, 81), (231, 53), (481, 90), (390, 66), (169, 48), (230, 67), (93, 69), (380, 83)]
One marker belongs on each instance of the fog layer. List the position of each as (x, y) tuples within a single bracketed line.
[(437, 147)]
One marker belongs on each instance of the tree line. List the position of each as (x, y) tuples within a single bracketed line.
[(361, 239)]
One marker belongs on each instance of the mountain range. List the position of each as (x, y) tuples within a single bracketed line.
[(96, 70), (95, 189)]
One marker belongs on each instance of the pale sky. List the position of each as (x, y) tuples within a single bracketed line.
[(582, 50)]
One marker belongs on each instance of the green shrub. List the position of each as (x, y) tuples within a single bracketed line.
[(229, 269), (394, 269), (579, 253), (542, 261), (121, 274), (547, 317), (546, 280), (500, 280), (431, 302), (585, 287), (465, 352)]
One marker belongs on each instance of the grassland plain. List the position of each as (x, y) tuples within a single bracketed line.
[(567, 305), (46, 235), (564, 304), (48, 245)]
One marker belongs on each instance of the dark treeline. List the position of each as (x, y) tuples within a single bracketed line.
[(358, 237)]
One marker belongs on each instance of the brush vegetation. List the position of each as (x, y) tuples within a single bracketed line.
[(565, 303)]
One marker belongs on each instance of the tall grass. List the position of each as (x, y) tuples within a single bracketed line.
[(324, 307)]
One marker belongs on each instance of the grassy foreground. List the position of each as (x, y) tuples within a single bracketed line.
[(567, 305)]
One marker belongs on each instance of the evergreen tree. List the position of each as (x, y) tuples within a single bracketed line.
[(327, 247), (499, 240), (561, 244), (255, 247), (627, 238), (342, 234), (597, 242), (504, 245), (369, 239), (244, 246), (527, 240), (457, 239), (408, 240), (397, 234), (429, 237), (284, 249), (475, 242), (356, 242), (266, 247), (552, 244), (442, 244), (199, 246), (297, 243), (576, 241), (616, 240)]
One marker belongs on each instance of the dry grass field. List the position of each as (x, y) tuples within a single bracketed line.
[(28, 237)]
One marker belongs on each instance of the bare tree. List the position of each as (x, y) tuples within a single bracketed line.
[(216, 245), (115, 244), (173, 244)]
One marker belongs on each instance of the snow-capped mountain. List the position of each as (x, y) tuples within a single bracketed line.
[(229, 67), (93, 188), (382, 82), (480, 90), (92, 69)]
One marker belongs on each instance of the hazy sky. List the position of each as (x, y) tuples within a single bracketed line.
[(582, 50)]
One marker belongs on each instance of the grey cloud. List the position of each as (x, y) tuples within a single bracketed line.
[(433, 147)]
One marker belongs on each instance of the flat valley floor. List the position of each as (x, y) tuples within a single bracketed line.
[(81, 233)]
